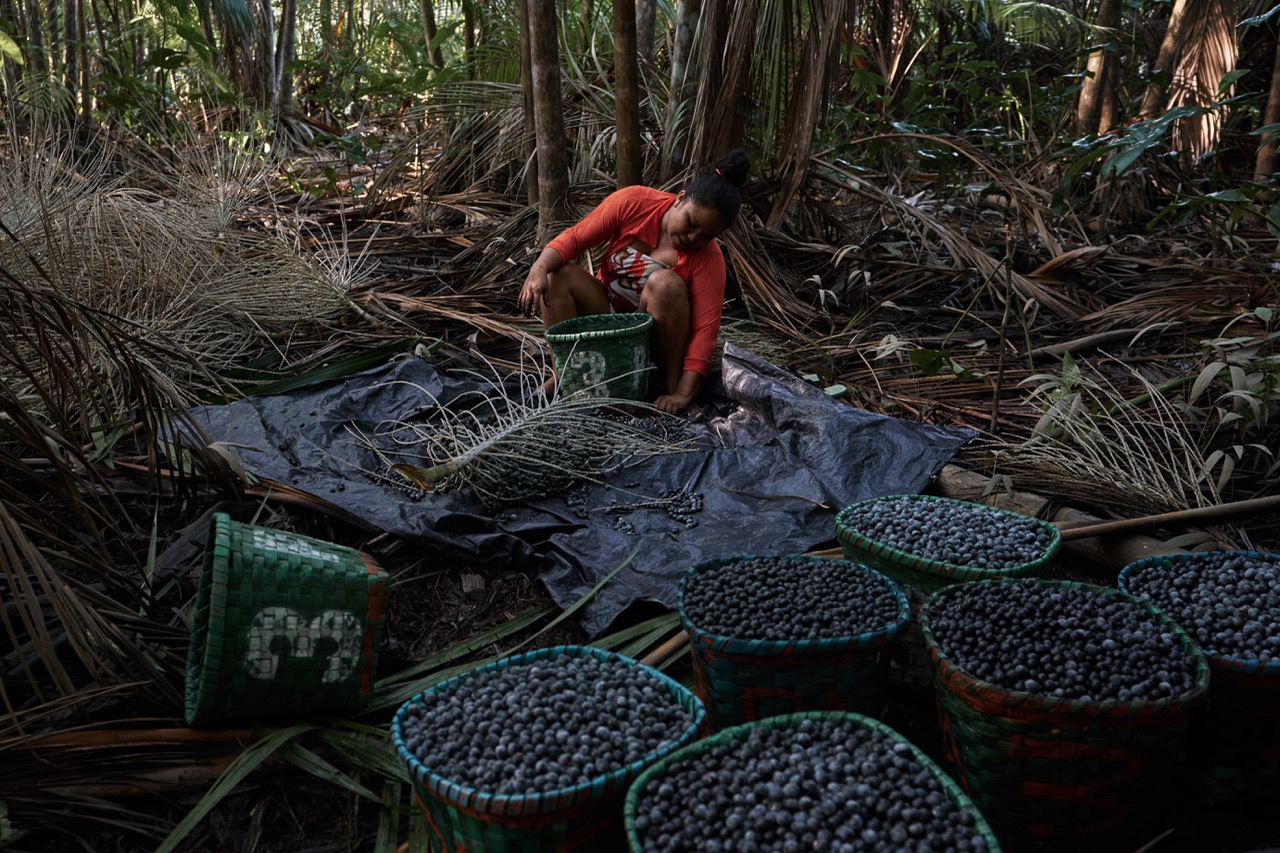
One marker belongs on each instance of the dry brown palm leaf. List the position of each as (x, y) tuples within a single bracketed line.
[(1187, 294), (914, 217), (1100, 445)]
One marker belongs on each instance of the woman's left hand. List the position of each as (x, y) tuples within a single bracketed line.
[(672, 404)]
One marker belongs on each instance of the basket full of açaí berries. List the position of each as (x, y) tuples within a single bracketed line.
[(1229, 602), (777, 635), (925, 543), (831, 781), (1064, 707), (535, 752)]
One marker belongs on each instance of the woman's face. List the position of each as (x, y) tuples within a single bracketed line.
[(692, 226)]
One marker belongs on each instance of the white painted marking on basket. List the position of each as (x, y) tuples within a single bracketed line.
[(300, 637)]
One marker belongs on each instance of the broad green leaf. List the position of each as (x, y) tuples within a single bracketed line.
[(9, 48), (236, 771), (1202, 382), (304, 759)]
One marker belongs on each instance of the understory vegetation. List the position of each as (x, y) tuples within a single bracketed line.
[(946, 223)]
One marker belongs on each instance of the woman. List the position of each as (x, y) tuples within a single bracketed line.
[(662, 258)]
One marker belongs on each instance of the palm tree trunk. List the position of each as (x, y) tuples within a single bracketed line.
[(553, 158), (428, 13), (526, 83), (1265, 164), (1162, 70), (1209, 52), (803, 112), (1096, 87), (469, 38), (286, 50), (728, 47), (682, 57), (71, 75), (646, 20), (627, 94), (82, 53)]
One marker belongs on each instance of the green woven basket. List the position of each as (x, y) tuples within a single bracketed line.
[(1234, 745), (282, 624), (585, 818), (603, 355), (921, 576), (655, 774), (1063, 772), (740, 680)]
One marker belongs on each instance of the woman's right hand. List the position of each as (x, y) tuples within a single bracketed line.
[(534, 293)]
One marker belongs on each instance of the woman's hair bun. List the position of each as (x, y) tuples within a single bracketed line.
[(734, 167)]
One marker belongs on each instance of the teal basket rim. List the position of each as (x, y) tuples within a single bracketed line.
[(613, 326), (207, 639), (542, 802), (848, 536), (659, 770), (1061, 705), (822, 645), (1227, 663)]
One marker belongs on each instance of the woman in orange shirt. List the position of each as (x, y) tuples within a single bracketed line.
[(662, 259)]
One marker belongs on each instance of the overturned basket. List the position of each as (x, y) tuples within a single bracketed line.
[(603, 355), (283, 624)]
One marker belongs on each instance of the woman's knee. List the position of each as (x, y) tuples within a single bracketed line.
[(665, 289)]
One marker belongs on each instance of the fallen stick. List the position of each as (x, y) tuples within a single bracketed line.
[(669, 648), (1178, 518)]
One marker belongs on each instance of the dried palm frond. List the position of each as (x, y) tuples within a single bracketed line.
[(1103, 448), (512, 441)]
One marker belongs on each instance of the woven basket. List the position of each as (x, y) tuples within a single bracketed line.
[(655, 774), (921, 576), (1063, 771), (585, 818), (741, 680), (1234, 745), (283, 623), (603, 355)]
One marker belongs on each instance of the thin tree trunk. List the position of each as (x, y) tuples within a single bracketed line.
[(35, 33), (1096, 85), (82, 55), (469, 38), (646, 20), (428, 12), (627, 94), (728, 49), (1209, 52), (804, 110), (529, 149), (553, 159), (286, 48), (1265, 164), (70, 71), (1162, 71), (682, 57)]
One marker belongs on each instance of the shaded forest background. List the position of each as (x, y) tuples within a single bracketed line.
[(1054, 222)]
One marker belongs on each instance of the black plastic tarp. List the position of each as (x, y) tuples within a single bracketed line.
[(777, 459)]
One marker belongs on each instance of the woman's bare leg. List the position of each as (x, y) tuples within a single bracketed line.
[(665, 297), (572, 292)]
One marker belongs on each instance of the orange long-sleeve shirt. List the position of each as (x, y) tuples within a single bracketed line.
[(635, 214)]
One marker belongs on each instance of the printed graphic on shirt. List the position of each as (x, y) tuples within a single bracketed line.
[(627, 270)]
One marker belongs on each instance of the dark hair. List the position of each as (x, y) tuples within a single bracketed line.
[(718, 189)]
